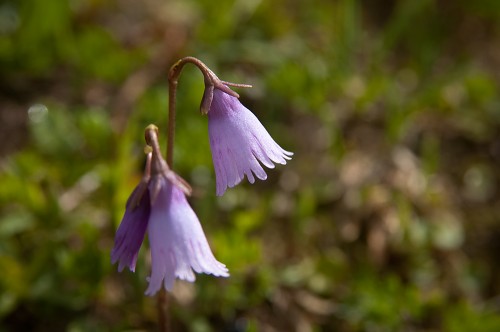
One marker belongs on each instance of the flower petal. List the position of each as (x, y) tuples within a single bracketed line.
[(239, 142), (178, 244), (130, 233)]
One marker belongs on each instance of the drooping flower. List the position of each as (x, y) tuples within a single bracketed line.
[(239, 142), (178, 243), (132, 229)]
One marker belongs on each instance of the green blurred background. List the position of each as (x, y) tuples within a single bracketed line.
[(386, 219)]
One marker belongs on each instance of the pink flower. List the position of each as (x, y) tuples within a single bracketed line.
[(130, 233), (178, 244), (239, 142)]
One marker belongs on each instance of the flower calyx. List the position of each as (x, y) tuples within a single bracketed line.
[(211, 80)]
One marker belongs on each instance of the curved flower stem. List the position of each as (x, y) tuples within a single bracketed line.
[(173, 79), (160, 167), (211, 82), (151, 136)]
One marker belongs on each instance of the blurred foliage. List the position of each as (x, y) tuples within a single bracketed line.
[(386, 219)]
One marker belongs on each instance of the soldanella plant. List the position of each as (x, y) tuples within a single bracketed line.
[(158, 205)]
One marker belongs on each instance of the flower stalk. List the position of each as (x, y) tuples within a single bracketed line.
[(212, 82)]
